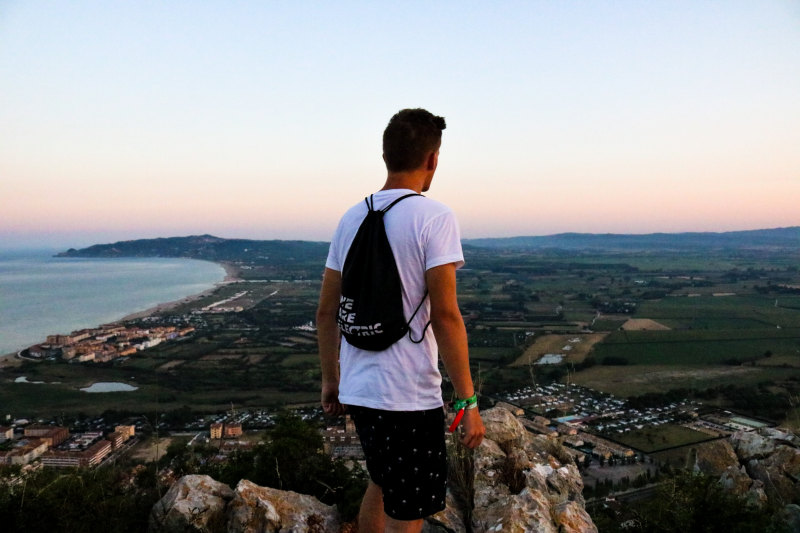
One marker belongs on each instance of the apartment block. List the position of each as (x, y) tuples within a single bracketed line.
[(24, 453), (130, 431), (52, 435), (91, 456), (232, 430)]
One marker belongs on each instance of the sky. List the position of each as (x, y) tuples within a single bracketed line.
[(263, 119)]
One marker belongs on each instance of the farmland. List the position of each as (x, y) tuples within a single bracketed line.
[(629, 322)]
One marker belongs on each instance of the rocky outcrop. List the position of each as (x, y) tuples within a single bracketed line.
[(761, 466), (255, 509), (200, 504), (193, 504), (715, 458), (513, 482), (525, 482)]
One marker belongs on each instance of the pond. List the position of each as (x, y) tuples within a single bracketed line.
[(110, 386)]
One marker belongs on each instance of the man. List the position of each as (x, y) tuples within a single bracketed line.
[(394, 395)]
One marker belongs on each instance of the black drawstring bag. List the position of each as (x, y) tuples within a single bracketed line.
[(371, 306)]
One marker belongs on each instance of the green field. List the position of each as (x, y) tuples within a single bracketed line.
[(699, 347), (656, 438), (704, 312), (60, 393)]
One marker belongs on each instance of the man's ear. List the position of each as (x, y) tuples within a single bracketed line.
[(432, 161)]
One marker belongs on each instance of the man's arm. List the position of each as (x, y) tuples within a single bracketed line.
[(328, 340), (451, 336)]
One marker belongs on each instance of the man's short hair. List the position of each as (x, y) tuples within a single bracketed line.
[(409, 137)]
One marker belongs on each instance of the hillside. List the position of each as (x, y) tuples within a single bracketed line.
[(214, 248), (778, 238), (209, 248)]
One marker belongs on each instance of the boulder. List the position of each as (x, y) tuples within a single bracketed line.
[(736, 480), (779, 473), (450, 520), (715, 458), (751, 445), (525, 482), (503, 427), (571, 517), (528, 511), (767, 465), (256, 509), (777, 434), (193, 504)]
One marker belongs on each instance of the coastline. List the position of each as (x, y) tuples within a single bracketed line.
[(231, 276)]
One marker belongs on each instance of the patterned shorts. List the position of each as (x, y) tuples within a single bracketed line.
[(406, 457)]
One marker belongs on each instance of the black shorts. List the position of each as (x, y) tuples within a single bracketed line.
[(406, 457)]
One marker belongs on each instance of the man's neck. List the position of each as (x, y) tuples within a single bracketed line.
[(413, 180)]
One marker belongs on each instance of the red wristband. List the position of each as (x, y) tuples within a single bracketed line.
[(457, 419)]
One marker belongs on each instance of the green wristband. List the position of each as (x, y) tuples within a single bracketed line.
[(462, 404)]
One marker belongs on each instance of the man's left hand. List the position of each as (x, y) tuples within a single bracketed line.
[(473, 429)]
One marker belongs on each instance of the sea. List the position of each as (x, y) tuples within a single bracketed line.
[(43, 295)]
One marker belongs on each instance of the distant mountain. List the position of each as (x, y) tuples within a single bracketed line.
[(206, 247), (219, 249), (779, 238)]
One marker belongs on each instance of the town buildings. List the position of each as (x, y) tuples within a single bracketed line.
[(106, 343), (90, 456), (226, 430), (54, 446)]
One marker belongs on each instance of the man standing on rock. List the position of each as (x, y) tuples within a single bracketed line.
[(394, 395)]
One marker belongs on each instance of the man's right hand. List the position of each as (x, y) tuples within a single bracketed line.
[(330, 401), (473, 429)]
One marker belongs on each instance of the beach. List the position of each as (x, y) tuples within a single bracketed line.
[(231, 276)]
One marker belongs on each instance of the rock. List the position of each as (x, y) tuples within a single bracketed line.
[(571, 517), (715, 458), (751, 445), (448, 521), (256, 509), (778, 434), (786, 459), (490, 474), (736, 480), (528, 511), (778, 473), (525, 482), (503, 427), (513, 482), (193, 504)]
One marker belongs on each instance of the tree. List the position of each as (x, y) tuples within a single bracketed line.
[(696, 502), (58, 500), (293, 459)]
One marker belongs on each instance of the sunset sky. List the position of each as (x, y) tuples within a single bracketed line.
[(262, 119)]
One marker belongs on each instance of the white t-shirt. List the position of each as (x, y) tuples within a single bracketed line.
[(423, 234)]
